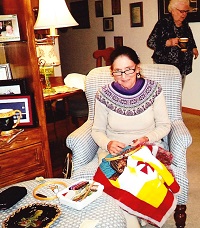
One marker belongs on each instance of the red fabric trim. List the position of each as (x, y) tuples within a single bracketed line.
[(175, 187), (134, 203)]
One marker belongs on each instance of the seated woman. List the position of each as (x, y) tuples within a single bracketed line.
[(129, 111)]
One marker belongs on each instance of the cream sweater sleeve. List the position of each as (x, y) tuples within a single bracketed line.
[(100, 125)]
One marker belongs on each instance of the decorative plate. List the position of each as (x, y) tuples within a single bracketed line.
[(34, 215)]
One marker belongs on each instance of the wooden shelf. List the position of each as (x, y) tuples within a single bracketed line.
[(28, 155)]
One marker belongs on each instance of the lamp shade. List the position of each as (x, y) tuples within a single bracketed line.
[(54, 14)]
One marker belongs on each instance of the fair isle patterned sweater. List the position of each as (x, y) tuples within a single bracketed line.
[(128, 115)]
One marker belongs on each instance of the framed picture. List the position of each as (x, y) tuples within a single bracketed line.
[(5, 72), (136, 14), (13, 87), (99, 8), (9, 28), (22, 103), (193, 15), (116, 7), (101, 40), (80, 12), (118, 41), (108, 24)]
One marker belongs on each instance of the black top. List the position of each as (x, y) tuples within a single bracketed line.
[(165, 29)]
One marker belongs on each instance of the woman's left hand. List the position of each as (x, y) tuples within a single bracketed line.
[(140, 141), (195, 53)]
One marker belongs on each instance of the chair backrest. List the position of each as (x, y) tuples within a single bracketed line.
[(104, 54), (167, 76)]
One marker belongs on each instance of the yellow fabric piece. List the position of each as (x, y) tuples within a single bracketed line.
[(153, 192), (115, 183)]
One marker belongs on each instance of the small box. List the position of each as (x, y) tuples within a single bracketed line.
[(67, 195)]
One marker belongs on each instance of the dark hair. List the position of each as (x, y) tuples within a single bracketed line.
[(124, 50)]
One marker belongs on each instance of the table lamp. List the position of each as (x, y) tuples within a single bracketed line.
[(53, 14)]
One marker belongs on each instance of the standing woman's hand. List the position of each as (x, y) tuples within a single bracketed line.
[(172, 42), (115, 147), (195, 53)]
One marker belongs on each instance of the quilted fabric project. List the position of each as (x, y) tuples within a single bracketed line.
[(141, 184)]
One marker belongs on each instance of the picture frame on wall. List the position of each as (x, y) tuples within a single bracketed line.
[(13, 87), (118, 41), (5, 72), (116, 7), (99, 8), (101, 40), (193, 15), (80, 12), (108, 24), (22, 103), (136, 14), (10, 28)]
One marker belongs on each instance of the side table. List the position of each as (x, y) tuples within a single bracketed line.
[(104, 209)]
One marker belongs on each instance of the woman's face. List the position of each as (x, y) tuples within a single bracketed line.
[(180, 13), (124, 71)]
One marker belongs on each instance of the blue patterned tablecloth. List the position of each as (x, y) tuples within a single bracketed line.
[(104, 209)]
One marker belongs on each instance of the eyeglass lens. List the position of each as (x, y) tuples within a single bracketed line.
[(127, 72)]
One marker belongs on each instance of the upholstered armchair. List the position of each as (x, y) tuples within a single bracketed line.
[(84, 157)]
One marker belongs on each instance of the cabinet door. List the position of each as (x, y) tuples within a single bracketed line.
[(22, 164)]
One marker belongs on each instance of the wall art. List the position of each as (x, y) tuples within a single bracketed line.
[(116, 7), (80, 12), (136, 14), (101, 40), (118, 41), (99, 8), (108, 24)]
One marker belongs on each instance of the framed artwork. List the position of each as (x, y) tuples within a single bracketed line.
[(22, 103), (101, 40), (9, 28), (5, 72), (99, 8), (116, 7), (13, 87), (136, 14), (193, 15), (80, 12), (118, 41), (108, 24)]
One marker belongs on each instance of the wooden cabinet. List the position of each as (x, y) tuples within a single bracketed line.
[(25, 159)]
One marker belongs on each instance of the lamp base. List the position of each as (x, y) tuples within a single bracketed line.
[(49, 91)]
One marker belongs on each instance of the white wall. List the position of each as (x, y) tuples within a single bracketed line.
[(78, 45)]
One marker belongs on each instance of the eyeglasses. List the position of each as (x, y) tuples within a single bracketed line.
[(126, 72), (183, 11)]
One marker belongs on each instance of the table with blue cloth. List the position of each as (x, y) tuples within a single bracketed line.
[(104, 209)]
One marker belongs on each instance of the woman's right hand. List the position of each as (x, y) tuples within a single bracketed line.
[(115, 147), (172, 42)]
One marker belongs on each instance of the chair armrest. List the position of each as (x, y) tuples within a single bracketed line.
[(82, 145), (87, 171), (179, 140)]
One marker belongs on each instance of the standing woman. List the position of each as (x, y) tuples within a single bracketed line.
[(165, 37)]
